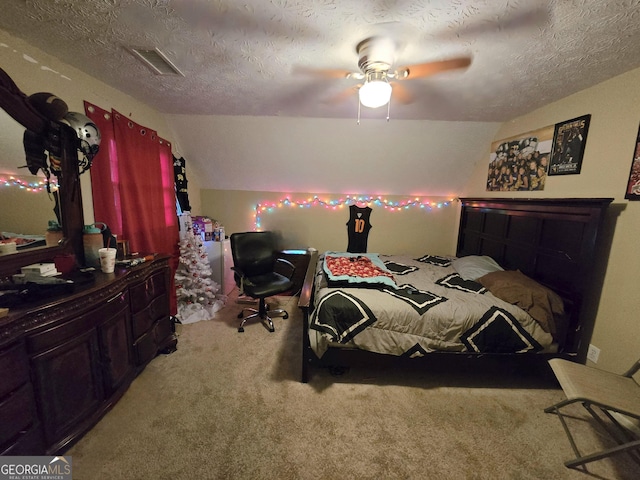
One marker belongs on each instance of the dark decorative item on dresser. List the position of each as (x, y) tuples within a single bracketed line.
[(67, 357)]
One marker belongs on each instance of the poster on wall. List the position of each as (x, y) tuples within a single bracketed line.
[(569, 140), (520, 163), (633, 185)]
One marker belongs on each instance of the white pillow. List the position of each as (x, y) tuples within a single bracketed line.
[(473, 267)]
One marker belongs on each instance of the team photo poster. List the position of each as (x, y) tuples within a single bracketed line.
[(520, 163)]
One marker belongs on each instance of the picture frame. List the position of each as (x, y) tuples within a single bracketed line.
[(633, 184), (569, 140), (520, 163)]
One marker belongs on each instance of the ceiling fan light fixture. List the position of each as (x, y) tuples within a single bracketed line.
[(375, 92)]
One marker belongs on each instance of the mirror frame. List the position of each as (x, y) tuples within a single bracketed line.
[(16, 104)]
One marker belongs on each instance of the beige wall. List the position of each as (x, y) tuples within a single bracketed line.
[(413, 230), (615, 116), (12, 215), (328, 155)]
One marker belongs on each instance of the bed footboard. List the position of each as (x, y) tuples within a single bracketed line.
[(305, 303)]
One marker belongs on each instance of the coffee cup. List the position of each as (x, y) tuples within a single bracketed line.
[(107, 259)]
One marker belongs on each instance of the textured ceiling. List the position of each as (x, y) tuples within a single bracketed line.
[(246, 57)]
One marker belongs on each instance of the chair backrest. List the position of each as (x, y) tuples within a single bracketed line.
[(253, 252)]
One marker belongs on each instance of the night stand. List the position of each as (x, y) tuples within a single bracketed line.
[(300, 259)]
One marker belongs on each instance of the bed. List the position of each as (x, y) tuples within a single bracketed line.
[(22, 241), (521, 282)]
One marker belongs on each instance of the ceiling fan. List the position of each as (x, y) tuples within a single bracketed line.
[(376, 58), (376, 61), (378, 52)]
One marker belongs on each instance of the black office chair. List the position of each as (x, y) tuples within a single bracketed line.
[(254, 263)]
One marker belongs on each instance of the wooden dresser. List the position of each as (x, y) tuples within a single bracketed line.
[(64, 362)]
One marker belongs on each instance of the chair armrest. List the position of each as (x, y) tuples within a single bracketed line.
[(244, 280), (287, 263), (632, 371), (237, 270)]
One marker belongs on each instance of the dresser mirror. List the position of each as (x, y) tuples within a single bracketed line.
[(24, 192), (28, 212)]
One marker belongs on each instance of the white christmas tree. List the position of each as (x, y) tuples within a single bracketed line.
[(195, 290)]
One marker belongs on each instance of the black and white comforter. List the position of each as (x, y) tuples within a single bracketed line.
[(431, 308)]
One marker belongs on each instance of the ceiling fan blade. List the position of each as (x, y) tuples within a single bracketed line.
[(300, 94), (427, 69), (534, 17), (322, 72), (343, 95), (211, 17), (401, 94)]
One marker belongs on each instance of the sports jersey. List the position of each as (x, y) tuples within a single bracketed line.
[(358, 228)]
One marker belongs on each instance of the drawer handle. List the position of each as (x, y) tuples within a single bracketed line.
[(117, 296)]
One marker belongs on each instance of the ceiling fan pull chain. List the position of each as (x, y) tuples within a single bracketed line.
[(359, 106), (388, 109)]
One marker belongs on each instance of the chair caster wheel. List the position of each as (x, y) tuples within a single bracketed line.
[(272, 330), (240, 315), (285, 316), (240, 330)]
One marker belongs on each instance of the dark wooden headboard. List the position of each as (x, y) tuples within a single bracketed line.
[(550, 240)]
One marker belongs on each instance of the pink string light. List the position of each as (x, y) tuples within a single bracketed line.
[(336, 204), (39, 186)]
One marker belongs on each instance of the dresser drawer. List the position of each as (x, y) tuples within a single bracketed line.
[(143, 320), (145, 349), (46, 339), (16, 413), (143, 293), (14, 368), (163, 330), (30, 442)]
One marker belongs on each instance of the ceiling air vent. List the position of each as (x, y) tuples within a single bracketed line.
[(156, 61)]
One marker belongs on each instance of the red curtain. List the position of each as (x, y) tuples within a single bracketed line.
[(104, 172), (133, 186)]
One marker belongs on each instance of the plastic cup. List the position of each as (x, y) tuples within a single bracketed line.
[(107, 259), (9, 247), (65, 263)]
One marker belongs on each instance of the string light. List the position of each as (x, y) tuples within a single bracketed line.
[(38, 186), (337, 204)]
